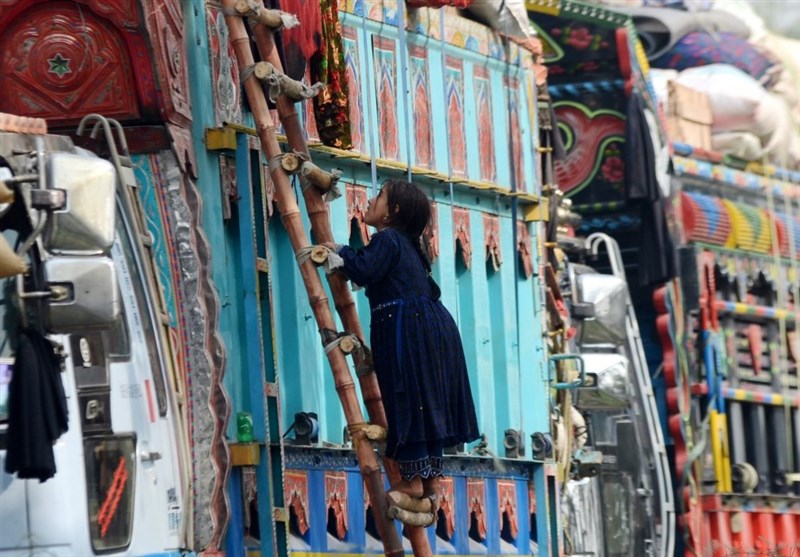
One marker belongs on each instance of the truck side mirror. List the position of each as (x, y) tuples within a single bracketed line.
[(86, 224), (77, 237), (84, 294)]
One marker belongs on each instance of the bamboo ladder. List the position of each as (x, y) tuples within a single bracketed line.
[(264, 23)]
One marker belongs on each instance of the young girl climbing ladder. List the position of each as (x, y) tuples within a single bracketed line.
[(417, 351)]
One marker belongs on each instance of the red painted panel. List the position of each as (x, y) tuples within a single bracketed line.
[(357, 200), (764, 531), (296, 490), (61, 62), (461, 233), (491, 239), (336, 500), (476, 505), (447, 503), (785, 529), (454, 82), (742, 530), (384, 51), (593, 129), (515, 131), (353, 73), (507, 496), (123, 13), (431, 234), (721, 537), (165, 26), (483, 97), (525, 248)]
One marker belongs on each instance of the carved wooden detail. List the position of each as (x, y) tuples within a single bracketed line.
[(357, 199), (336, 500), (507, 496), (491, 239), (476, 507), (226, 89), (461, 233), (60, 62), (430, 235), (184, 147), (525, 248), (296, 490), (165, 26), (447, 506)]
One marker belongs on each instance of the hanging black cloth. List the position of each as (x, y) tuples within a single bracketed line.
[(37, 408), (656, 251)]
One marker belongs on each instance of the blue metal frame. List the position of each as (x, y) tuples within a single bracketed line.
[(273, 535)]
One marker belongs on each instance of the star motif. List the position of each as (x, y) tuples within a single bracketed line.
[(59, 65)]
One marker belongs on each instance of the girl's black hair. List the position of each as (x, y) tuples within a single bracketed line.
[(410, 212)]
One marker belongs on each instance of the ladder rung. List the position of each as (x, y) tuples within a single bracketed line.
[(261, 265)]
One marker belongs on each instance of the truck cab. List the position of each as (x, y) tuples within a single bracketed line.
[(76, 272)]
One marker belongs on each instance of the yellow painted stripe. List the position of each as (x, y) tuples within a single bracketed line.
[(719, 450), (549, 7)]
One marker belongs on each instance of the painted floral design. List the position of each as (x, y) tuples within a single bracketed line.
[(613, 169), (579, 38)]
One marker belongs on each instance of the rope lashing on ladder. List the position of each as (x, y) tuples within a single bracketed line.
[(280, 84), (312, 175), (373, 432), (260, 70), (347, 342), (256, 12), (291, 163), (321, 257)]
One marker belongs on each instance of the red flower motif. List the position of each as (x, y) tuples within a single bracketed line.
[(580, 38), (613, 169)]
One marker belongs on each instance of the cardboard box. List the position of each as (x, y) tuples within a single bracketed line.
[(689, 118)]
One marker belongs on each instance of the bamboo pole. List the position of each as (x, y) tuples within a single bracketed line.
[(321, 231), (290, 216)]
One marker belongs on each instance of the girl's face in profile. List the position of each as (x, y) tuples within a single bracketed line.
[(377, 214)]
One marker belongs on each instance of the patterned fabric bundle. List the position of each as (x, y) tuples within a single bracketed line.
[(313, 52), (701, 49), (331, 108)]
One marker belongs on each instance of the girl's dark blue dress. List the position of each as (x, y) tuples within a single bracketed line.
[(416, 346)]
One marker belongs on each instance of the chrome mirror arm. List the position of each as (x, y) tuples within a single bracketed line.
[(109, 135)]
